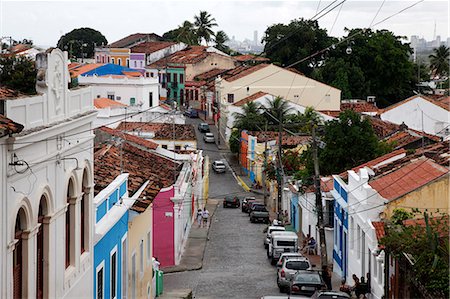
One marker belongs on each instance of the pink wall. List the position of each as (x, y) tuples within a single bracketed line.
[(163, 228)]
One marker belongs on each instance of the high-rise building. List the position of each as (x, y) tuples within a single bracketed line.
[(255, 37)]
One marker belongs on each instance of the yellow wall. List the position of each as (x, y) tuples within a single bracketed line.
[(213, 61), (137, 232), (289, 85), (432, 196), (123, 54)]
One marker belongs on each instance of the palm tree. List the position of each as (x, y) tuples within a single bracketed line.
[(220, 39), (277, 110), (250, 117), (186, 33), (204, 23), (439, 61)]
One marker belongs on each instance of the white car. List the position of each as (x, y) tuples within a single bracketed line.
[(288, 269), (219, 166), (271, 229), (209, 138)]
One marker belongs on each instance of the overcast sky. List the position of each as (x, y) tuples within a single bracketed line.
[(45, 21)]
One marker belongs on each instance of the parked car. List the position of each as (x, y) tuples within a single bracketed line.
[(191, 113), (288, 269), (330, 295), (219, 166), (231, 201), (281, 242), (288, 255), (271, 229), (259, 213), (252, 206), (284, 297), (209, 138), (306, 283), (246, 202), (203, 127)]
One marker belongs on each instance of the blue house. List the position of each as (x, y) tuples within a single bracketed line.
[(110, 242), (295, 217), (340, 248), (109, 69)]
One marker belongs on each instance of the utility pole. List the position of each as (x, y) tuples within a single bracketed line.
[(280, 165), (265, 165), (319, 208)]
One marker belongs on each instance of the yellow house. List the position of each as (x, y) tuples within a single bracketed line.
[(119, 56)]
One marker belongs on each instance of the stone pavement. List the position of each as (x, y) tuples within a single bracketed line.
[(192, 258), (177, 294)]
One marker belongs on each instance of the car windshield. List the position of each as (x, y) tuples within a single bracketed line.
[(297, 265), (218, 163), (209, 135), (275, 230), (286, 243), (259, 209), (307, 277)]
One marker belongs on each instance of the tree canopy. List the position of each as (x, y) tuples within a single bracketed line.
[(220, 40), (204, 24), (81, 41), (18, 73), (439, 61)]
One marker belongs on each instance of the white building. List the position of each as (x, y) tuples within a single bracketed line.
[(422, 114), (47, 189), (262, 99), (133, 91)]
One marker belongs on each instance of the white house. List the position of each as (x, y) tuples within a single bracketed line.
[(422, 114), (261, 98), (47, 189), (133, 91)]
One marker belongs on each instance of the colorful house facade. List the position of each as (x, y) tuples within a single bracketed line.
[(110, 243)]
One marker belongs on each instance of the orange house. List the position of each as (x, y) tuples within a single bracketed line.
[(119, 56)]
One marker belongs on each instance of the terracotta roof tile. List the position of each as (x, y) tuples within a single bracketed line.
[(101, 103), (360, 106), (326, 184), (250, 57), (382, 128), (81, 69), (209, 75), (407, 178), (8, 93), (141, 165), (406, 137), (442, 223), (133, 39), (8, 127), (130, 138), (379, 229), (162, 131), (251, 98), (190, 55), (150, 47), (194, 83), (240, 72), (287, 139)]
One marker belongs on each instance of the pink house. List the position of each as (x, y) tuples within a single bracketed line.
[(164, 227)]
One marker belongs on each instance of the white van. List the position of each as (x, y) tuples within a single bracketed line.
[(281, 242), (270, 230)]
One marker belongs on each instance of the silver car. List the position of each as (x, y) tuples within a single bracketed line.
[(288, 269), (287, 255), (219, 166), (209, 138)]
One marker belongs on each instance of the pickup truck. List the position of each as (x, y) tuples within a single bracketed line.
[(259, 213)]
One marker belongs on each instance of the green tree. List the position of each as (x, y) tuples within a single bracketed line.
[(277, 110), (286, 44), (185, 33), (378, 65), (439, 61), (18, 73), (250, 118), (81, 42), (234, 140), (204, 24), (221, 38), (301, 122), (429, 247)]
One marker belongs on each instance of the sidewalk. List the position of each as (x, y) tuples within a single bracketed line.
[(192, 258)]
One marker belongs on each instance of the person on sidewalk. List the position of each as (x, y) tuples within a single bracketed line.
[(205, 217), (199, 217), (326, 276), (345, 287)]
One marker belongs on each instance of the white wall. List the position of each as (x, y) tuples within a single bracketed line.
[(155, 56), (124, 89), (419, 113)]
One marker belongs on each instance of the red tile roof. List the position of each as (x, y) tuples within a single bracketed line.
[(212, 74), (379, 229), (134, 140), (81, 69), (441, 223), (382, 128), (250, 57), (251, 98), (442, 104), (135, 38), (150, 47), (326, 184), (407, 137), (194, 83), (8, 93), (161, 131), (142, 166), (287, 139), (101, 103), (242, 71), (360, 107), (8, 127), (407, 178), (190, 55)]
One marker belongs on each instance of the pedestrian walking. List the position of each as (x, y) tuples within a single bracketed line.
[(199, 217), (326, 275), (205, 217)]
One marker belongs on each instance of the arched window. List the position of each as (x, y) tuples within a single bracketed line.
[(42, 251), (70, 225), (18, 256), (84, 213)]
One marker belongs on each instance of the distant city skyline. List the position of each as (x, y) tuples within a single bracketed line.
[(45, 22)]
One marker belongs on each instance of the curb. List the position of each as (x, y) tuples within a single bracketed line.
[(243, 184)]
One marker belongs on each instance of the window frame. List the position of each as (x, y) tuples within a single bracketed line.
[(230, 98), (100, 267), (149, 245), (113, 252), (124, 254)]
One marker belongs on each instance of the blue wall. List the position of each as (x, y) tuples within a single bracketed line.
[(294, 212), (102, 252), (341, 220), (108, 203)]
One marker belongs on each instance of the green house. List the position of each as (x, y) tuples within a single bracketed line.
[(175, 83)]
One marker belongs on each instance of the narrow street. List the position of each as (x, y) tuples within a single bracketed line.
[(235, 263)]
